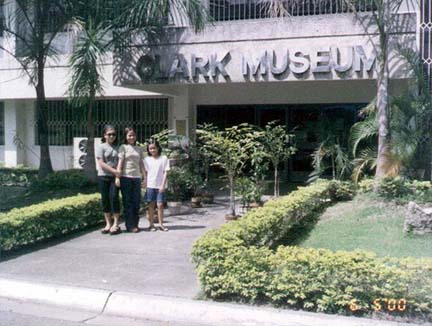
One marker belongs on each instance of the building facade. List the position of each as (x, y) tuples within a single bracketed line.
[(317, 63)]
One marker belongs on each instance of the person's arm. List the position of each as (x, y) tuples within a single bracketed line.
[(106, 167), (143, 171), (164, 180), (165, 176)]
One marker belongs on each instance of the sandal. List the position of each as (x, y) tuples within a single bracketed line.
[(105, 231), (152, 228), (163, 228), (135, 230), (115, 229)]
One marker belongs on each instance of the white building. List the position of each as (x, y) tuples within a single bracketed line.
[(244, 67)]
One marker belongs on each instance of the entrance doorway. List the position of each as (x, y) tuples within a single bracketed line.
[(305, 121)]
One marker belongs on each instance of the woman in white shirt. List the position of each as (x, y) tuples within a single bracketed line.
[(156, 169)]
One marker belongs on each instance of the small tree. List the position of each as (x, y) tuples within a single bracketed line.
[(228, 149), (277, 143)]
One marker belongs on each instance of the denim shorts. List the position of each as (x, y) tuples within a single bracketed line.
[(153, 194)]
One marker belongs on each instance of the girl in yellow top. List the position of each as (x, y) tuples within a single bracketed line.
[(131, 167)]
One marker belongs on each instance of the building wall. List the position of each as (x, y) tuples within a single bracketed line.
[(2, 157)]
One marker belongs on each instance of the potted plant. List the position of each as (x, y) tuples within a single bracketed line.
[(177, 188), (195, 182)]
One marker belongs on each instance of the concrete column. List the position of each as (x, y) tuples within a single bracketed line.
[(180, 112), (14, 151)]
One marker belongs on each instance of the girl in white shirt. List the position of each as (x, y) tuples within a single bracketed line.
[(156, 172)]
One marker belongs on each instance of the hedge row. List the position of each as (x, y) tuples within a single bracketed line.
[(243, 261), (17, 176), (52, 218)]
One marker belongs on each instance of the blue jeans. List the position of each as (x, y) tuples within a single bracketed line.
[(131, 193), (153, 194)]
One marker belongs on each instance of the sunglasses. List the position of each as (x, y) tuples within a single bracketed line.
[(111, 135)]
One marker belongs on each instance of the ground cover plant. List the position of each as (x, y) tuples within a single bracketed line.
[(245, 261)]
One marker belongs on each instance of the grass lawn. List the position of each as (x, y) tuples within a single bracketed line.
[(17, 197), (368, 224)]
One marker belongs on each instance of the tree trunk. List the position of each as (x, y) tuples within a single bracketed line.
[(45, 166), (90, 164), (276, 182), (231, 209), (333, 167), (383, 112)]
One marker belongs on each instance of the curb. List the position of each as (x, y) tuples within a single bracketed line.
[(59, 295), (169, 309)]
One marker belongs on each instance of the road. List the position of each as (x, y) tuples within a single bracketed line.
[(15, 313)]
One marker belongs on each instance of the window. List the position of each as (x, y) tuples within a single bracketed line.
[(226, 10), (147, 116), (2, 124)]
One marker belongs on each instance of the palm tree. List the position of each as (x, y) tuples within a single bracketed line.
[(100, 34), (33, 25), (382, 20), (86, 80), (410, 121)]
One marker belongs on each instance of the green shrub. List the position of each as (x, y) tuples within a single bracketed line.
[(341, 190), (390, 187), (58, 180), (49, 219), (399, 189), (366, 185), (244, 260), (17, 176)]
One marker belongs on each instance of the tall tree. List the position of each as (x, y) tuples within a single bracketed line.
[(32, 25), (383, 20)]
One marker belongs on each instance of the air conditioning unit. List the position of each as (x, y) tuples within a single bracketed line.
[(80, 150)]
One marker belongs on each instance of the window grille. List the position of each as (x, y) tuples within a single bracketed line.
[(146, 116), (425, 38), (2, 124), (226, 10)]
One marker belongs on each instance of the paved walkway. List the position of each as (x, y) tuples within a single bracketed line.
[(155, 263)]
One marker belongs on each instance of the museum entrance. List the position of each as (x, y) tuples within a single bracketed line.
[(308, 122)]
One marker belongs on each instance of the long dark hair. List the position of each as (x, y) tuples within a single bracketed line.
[(126, 131), (104, 131), (153, 141)]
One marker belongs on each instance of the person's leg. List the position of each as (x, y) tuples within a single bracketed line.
[(151, 211), (115, 206), (104, 187), (160, 206), (136, 201), (151, 200), (126, 190)]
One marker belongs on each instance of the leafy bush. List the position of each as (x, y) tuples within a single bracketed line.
[(393, 187), (366, 185), (244, 260), (58, 180), (400, 189), (49, 219), (341, 190), (17, 176)]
